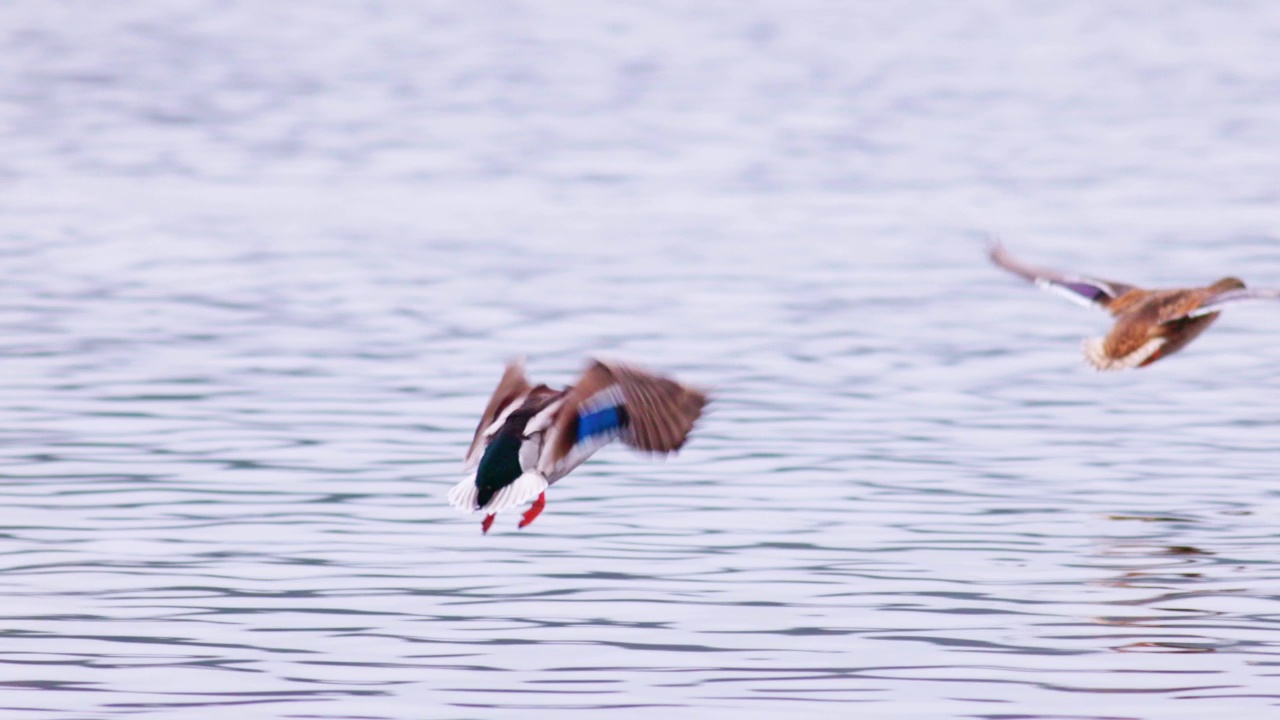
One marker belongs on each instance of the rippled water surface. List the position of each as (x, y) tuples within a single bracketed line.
[(264, 261)]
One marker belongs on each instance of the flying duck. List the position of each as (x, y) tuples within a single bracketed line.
[(530, 436), (1149, 324)]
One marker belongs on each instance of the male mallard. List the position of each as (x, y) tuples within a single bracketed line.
[(1149, 324), (530, 436)]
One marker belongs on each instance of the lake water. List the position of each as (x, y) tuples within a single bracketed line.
[(264, 263)]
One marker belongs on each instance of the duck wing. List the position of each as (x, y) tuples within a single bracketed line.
[(511, 392), (615, 401), (1217, 301), (1079, 289), (1160, 323)]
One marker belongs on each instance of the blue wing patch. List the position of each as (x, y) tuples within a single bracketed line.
[(608, 420)]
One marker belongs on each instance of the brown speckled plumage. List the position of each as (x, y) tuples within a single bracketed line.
[(1149, 324), (1145, 315)]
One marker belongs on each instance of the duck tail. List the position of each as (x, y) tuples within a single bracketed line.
[(463, 495), (1095, 351), (525, 488)]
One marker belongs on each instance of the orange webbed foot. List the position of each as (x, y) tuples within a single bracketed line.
[(488, 523), (534, 510)]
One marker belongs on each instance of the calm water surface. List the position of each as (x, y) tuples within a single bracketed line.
[(264, 262)]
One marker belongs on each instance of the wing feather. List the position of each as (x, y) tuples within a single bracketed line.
[(562, 436), (512, 389), (662, 411), (658, 414), (1214, 303), (1079, 289)]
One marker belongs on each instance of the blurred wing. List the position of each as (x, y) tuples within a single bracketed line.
[(662, 411), (1079, 289), (1214, 303), (613, 401), (512, 389), (592, 415)]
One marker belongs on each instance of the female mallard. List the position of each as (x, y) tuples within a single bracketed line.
[(1149, 324), (531, 436)]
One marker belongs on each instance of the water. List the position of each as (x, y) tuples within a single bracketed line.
[(264, 264)]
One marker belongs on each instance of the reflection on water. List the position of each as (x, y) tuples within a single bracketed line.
[(1169, 582), (264, 264)]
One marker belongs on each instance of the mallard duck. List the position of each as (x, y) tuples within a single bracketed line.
[(1149, 324), (530, 436)]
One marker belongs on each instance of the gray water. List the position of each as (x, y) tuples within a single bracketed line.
[(264, 261)]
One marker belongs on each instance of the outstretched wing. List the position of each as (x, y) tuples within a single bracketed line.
[(662, 411), (1216, 302), (614, 401), (512, 389), (1076, 288)]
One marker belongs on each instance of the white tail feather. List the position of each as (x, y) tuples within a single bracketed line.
[(1095, 352), (463, 495), (528, 486), (525, 488)]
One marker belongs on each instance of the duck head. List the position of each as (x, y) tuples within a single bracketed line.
[(1227, 283)]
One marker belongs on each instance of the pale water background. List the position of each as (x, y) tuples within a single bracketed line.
[(263, 262)]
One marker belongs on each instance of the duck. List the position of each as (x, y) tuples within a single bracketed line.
[(530, 436), (1149, 324)]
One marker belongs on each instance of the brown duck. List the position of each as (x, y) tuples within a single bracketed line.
[(1149, 324)]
